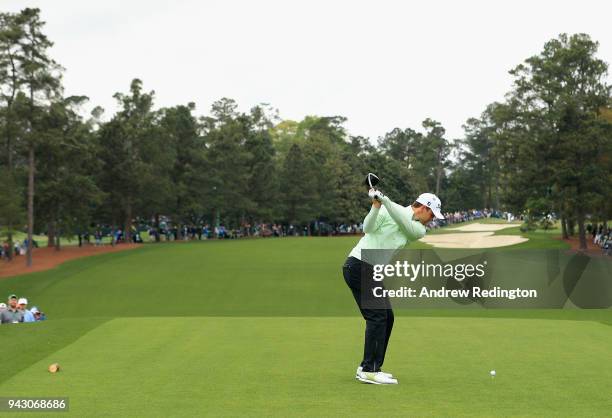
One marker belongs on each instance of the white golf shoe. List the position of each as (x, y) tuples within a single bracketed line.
[(376, 378), (360, 369)]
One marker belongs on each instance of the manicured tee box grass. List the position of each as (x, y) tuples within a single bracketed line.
[(275, 366)]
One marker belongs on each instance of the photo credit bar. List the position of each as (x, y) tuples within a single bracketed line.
[(487, 279)]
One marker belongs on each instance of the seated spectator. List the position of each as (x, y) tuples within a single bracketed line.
[(22, 305), (38, 315), (11, 315)]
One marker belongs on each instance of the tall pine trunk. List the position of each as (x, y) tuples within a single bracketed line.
[(158, 233), (10, 242), (9, 151), (438, 178), (581, 230), (127, 233), (439, 171), (113, 231), (51, 234), (571, 226), (30, 204), (482, 191), (10, 171), (564, 228), (497, 192)]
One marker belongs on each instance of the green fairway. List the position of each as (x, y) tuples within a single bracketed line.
[(268, 328)]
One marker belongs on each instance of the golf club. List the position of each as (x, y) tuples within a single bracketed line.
[(371, 181)]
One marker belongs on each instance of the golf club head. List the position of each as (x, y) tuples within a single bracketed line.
[(371, 181)]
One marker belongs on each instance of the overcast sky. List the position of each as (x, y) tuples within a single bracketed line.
[(382, 64)]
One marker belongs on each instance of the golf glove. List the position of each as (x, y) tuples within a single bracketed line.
[(376, 194)]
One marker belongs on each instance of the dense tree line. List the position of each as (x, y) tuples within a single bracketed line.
[(546, 148)]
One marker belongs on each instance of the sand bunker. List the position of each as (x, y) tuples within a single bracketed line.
[(478, 227), (472, 240)]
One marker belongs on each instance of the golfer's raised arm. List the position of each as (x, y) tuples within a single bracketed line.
[(369, 223), (413, 229)]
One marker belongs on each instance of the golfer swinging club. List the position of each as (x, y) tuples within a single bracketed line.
[(387, 226)]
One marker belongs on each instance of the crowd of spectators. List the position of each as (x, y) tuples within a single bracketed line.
[(469, 215), (16, 311), (602, 237), (203, 232), (19, 248), (169, 232), (349, 229)]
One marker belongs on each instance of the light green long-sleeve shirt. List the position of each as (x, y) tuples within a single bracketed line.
[(388, 227)]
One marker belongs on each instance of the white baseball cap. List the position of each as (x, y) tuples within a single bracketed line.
[(2, 305), (34, 310), (22, 301), (432, 202)]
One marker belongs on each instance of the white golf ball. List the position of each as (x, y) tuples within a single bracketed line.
[(492, 372)]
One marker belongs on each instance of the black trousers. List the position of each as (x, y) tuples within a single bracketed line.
[(379, 322)]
